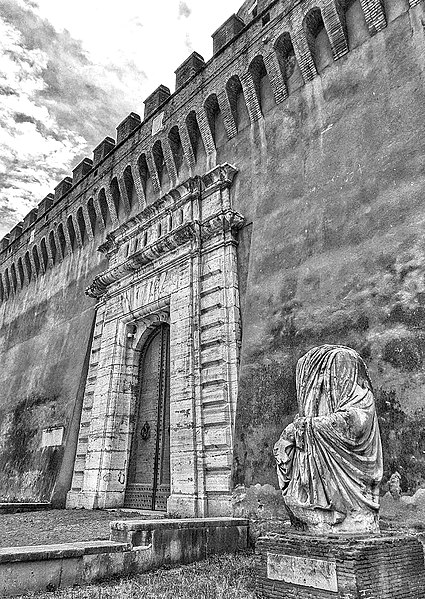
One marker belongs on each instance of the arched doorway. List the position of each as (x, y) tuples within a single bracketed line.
[(148, 485)]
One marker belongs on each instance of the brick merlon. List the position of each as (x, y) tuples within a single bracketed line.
[(62, 187), (100, 151), (190, 67), (154, 101), (81, 170), (128, 125)]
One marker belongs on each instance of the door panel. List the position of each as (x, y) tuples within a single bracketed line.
[(149, 470)]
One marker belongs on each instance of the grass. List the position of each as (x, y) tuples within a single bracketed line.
[(220, 577)]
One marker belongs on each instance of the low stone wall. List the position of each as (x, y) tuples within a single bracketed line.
[(135, 547), (182, 541)]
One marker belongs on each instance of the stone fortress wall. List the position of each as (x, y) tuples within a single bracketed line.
[(319, 106)]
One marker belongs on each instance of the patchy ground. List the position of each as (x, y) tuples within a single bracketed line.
[(406, 512), (67, 526), (220, 577), (58, 526)]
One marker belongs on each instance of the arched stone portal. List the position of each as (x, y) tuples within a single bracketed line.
[(174, 263), (148, 479)]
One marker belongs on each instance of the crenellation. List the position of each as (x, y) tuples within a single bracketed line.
[(143, 168), (45, 205), (30, 219), (156, 100), (102, 150), (127, 126), (188, 69), (4, 242), (255, 113), (227, 32), (15, 232), (62, 189), (81, 170), (375, 19)]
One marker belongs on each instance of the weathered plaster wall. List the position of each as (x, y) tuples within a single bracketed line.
[(337, 254), (44, 335)]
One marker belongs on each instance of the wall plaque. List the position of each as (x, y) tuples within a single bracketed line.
[(158, 123), (52, 437), (316, 573)]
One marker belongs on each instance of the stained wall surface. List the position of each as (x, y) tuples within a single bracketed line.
[(337, 250), (43, 344), (331, 181)]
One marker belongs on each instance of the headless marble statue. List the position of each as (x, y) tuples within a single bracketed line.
[(329, 460)]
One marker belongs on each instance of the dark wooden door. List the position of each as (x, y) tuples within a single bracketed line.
[(148, 483)]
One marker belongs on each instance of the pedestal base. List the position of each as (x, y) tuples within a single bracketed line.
[(300, 566)]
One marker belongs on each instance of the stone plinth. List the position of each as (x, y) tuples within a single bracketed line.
[(297, 566)]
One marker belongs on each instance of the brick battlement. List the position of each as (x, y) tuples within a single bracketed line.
[(149, 158)]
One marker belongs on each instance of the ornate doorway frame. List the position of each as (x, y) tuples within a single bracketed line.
[(174, 262)]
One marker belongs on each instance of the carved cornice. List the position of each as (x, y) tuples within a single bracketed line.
[(166, 244), (225, 221), (219, 177), (185, 191), (110, 246)]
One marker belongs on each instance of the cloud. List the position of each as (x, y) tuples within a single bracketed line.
[(184, 10), (34, 148), (56, 105)]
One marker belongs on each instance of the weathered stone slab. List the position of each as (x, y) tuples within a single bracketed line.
[(304, 571)]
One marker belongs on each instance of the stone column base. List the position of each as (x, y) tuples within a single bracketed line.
[(300, 566)]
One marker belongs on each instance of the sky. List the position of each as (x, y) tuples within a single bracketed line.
[(70, 72)]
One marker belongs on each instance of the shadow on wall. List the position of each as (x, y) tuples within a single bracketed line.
[(403, 441), (27, 470)]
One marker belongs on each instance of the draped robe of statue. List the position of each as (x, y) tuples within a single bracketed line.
[(329, 460)]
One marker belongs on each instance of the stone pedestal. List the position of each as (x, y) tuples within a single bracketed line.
[(300, 566)]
